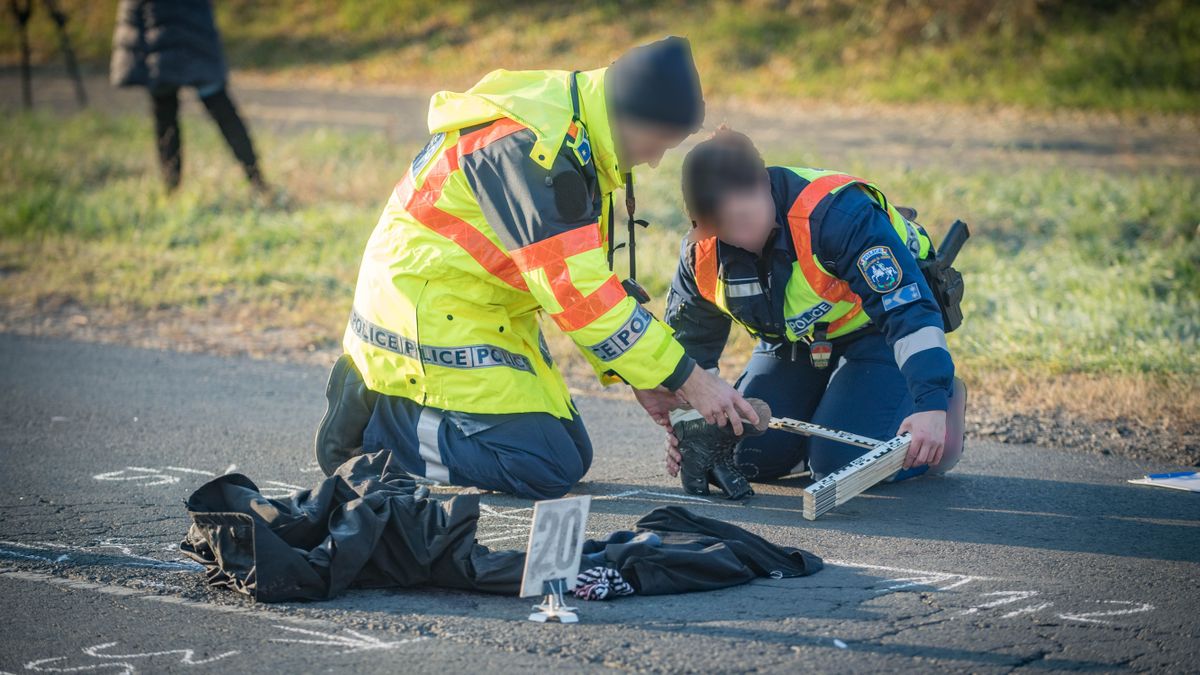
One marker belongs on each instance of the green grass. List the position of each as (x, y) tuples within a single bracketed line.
[(1139, 55), (1068, 271)]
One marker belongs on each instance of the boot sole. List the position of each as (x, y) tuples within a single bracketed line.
[(332, 406)]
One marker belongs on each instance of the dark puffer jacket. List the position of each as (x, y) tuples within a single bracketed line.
[(166, 43)]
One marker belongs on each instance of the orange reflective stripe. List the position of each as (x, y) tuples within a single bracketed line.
[(490, 134), (825, 285), (551, 255), (588, 309), (421, 206), (578, 310), (847, 318), (706, 268), (562, 245)]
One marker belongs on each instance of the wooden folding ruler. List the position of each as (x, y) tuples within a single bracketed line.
[(884, 459)]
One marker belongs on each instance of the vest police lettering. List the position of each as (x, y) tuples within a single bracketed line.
[(801, 322), (470, 356), (625, 337)]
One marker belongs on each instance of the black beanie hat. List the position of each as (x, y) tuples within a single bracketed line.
[(657, 82)]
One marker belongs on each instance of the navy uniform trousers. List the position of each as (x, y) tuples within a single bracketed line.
[(531, 455), (862, 392)]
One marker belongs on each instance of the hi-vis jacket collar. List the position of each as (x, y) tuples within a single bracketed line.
[(541, 101)]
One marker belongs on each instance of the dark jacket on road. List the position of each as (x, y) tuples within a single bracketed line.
[(364, 527), (166, 43)]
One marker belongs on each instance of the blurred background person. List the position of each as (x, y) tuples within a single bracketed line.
[(164, 45)]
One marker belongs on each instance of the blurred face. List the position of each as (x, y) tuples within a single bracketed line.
[(744, 219), (641, 142)]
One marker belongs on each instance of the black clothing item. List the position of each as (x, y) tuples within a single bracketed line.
[(677, 551), (220, 107), (171, 43), (363, 527), (368, 527), (657, 82)]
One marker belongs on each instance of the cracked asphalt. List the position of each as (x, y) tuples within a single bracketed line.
[(1024, 558)]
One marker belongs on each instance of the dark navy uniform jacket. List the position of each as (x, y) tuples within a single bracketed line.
[(852, 224)]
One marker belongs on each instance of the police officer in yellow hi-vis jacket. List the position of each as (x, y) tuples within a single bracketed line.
[(503, 217)]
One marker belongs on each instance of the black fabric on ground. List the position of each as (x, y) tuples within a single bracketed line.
[(694, 553), (364, 527), (360, 527)]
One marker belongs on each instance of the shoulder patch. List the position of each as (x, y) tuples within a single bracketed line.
[(901, 296), (581, 146), (427, 152), (880, 269)]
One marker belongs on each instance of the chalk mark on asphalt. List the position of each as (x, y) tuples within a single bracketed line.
[(166, 475), (349, 645), (186, 658), (1093, 617), (51, 552)]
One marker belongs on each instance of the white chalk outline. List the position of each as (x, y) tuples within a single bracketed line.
[(187, 658), (358, 643)]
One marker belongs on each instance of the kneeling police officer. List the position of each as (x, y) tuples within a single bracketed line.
[(500, 218), (824, 271)]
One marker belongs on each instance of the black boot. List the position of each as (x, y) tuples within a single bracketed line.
[(349, 408), (726, 475), (700, 443), (707, 453)]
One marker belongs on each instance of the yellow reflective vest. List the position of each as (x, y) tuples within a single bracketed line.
[(458, 270)]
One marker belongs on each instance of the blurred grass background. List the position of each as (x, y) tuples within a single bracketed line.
[(1129, 55), (1083, 285), (1081, 278)]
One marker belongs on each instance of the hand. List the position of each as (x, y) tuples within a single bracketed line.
[(718, 402), (928, 430), (658, 403), (674, 459)]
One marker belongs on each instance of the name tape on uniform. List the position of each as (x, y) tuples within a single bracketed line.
[(467, 356), (624, 337)]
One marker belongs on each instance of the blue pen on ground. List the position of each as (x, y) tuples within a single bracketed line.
[(1175, 474)]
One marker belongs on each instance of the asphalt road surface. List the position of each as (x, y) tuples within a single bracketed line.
[(1023, 558)]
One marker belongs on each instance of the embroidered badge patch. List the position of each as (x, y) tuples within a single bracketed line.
[(582, 147), (880, 269), (901, 296), (426, 152)]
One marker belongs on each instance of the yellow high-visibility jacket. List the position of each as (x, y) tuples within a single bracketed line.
[(498, 219)]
